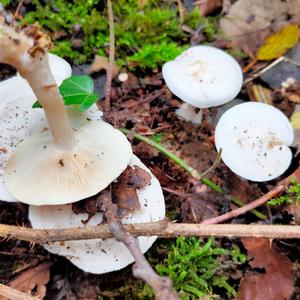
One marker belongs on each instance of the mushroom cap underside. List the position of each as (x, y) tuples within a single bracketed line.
[(100, 255), (17, 118), (41, 173)]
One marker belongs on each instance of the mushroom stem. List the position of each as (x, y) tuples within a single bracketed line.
[(27, 51), (188, 113)]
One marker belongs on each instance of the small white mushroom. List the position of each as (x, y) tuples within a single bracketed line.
[(203, 77), (100, 255), (62, 164), (19, 121), (255, 139)]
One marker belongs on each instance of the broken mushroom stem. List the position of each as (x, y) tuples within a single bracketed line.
[(27, 51)]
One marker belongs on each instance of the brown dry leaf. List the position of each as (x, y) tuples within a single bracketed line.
[(249, 22), (135, 177), (125, 190), (277, 283), (208, 6), (294, 10), (33, 281), (101, 63)]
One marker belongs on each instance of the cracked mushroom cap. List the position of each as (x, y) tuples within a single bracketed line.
[(100, 256), (203, 76), (255, 139), (17, 118)]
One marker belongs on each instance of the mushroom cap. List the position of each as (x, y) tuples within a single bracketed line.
[(204, 76), (51, 175), (255, 139), (100, 255), (19, 121)]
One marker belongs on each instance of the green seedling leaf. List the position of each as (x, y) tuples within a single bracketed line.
[(78, 91)]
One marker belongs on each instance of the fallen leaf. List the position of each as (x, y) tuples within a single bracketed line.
[(208, 6), (33, 281), (135, 177), (278, 44), (101, 63), (125, 190), (248, 23), (294, 10), (295, 121), (277, 281)]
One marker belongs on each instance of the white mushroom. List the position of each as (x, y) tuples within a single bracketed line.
[(17, 118), (100, 255), (255, 139), (63, 164), (203, 76)]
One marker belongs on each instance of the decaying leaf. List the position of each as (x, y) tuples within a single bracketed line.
[(124, 191), (295, 121), (277, 281), (33, 281), (208, 6), (248, 23), (294, 10), (101, 63), (278, 44)]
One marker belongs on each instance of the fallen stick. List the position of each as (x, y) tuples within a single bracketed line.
[(279, 188), (163, 229)]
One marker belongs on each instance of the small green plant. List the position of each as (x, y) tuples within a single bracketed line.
[(77, 91), (197, 268), (292, 195), (146, 36)]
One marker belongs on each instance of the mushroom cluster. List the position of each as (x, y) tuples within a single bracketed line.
[(253, 145), (64, 157)]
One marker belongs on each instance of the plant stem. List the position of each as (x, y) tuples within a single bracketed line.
[(111, 55), (162, 229), (280, 187), (194, 173)]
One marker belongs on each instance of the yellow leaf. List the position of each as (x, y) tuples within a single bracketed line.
[(277, 44), (295, 120)]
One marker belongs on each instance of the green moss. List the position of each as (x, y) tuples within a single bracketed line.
[(145, 37), (197, 269), (5, 2), (292, 195)]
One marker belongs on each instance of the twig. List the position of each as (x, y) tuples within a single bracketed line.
[(181, 11), (162, 286), (9, 293), (280, 187), (16, 14), (214, 165), (194, 173), (162, 229), (111, 55)]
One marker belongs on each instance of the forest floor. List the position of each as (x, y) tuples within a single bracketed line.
[(143, 104)]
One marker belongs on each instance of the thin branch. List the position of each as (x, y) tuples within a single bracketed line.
[(193, 172), (163, 229), (111, 55), (162, 286), (10, 293), (280, 187)]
